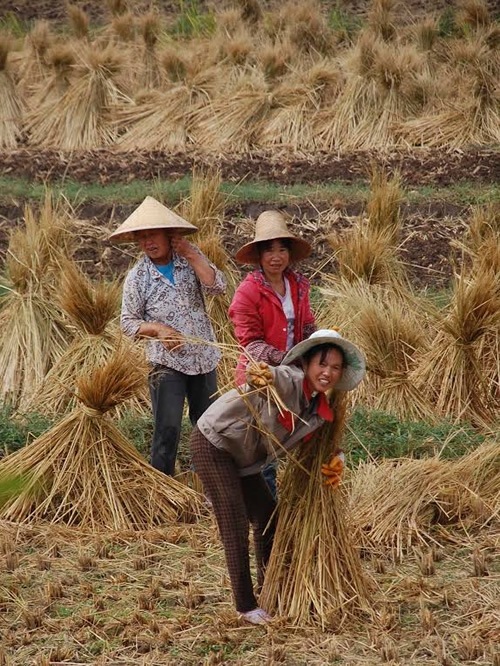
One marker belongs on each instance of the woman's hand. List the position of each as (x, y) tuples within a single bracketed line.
[(168, 336), (259, 375), (333, 470)]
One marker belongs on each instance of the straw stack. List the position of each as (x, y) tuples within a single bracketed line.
[(398, 503), (84, 473), (93, 309), (314, 575), (34, 334), (82, 119), (458, 372), (10, 103)]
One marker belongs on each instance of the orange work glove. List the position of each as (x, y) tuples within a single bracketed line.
[(333, 470), (259, 375)]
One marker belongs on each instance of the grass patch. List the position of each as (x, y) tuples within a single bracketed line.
[(378, 434), (172, 191)]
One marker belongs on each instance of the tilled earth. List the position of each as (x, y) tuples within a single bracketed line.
[(428, 229)]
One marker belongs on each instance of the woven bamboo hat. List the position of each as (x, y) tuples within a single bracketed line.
[(355, 361), (271, 225), (151, 214)]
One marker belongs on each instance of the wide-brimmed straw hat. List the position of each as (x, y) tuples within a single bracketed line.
[(271, 225), (355, 361), (151, 214)]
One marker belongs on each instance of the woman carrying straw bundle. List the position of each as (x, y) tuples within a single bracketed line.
[(270, 309), (163, 301), (248, 427)]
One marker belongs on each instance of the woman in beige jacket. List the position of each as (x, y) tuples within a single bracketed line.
[(241, 432)]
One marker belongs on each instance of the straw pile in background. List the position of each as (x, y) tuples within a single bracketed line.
[(314, 575), (93, 309), (10, 102), (34, 333), (83, 472)]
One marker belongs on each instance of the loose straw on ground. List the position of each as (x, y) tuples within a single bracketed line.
[(315, 575), (84, 473)]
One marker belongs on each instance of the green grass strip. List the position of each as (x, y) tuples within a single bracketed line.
[(171, 191)]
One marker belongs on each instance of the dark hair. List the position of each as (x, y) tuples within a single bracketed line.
[(264, 245), (323, 349)]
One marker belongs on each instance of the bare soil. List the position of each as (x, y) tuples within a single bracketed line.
[(428, 229)]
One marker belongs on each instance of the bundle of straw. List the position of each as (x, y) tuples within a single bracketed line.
[(395, 503), (297, 101), (314, 574), (458, 373), (93, 310), (34, 65), (83, 117), (398, 503), (34, 332), (231, 122), (10, 103), (391, 329), (83, 472)]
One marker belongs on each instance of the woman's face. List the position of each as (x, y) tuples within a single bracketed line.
[(274, 258), (155, 243), (325, 370)]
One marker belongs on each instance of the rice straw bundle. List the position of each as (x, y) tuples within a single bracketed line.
[(35, 67), (297, 101), (231, 121), (150, 26), (469, 114), (395, 503), (381, 19), (78, 21), (93, 309), (368, 249), (391, 330), (314, 574), (84, 473), (304, 25), (161, 119), (355, 99), (477, 474), (10, 102), (205, 205), (36, 335), (457, 373), (50, 90), (83, 117), (396, 97)]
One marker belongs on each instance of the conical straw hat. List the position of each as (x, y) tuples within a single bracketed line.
[(271, 225), (151, 214)]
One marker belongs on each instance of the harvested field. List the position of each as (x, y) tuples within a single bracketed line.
[(161, 596)]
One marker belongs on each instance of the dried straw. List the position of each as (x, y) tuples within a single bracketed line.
[(37, 335), (401, 503), (93, 309), (10, 102), (83, 472), (458, 373), (392, 331), (83, 117), (314, 575)]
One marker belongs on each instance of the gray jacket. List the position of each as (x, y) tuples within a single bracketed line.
[(242, 422)]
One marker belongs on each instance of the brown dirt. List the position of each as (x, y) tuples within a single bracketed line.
[(427, 232)]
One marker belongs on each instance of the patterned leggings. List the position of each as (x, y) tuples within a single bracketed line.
[(237, 503)]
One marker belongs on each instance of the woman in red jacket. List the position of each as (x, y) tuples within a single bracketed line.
[(270, 309)]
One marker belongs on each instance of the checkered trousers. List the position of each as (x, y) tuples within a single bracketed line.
[(237, 502)]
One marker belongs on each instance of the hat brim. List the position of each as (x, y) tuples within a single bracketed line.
[(249, 253), (129, 235), (356, 365)]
